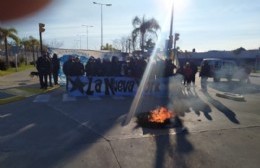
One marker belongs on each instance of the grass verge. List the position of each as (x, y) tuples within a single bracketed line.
[(13, 70)]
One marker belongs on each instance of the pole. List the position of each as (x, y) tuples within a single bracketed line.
[(171, 36), (41, 29), (101, 26), (87, 37), (16, 62), (79, 41), (41, 42), (101, 7), (87, 26), (129, 45)]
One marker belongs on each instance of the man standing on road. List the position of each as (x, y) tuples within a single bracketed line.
[(55, 68), (43, 67), (67, 69), (204, 74)]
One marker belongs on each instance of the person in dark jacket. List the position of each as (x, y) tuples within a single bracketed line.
[(77, 68), (115, 66), (43, 67), (187, 71), (169, 68), (67, 69), (204, 74), (194, 71), (55, 68), (49, 59)]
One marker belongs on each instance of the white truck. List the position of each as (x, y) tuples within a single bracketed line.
[(220, 68)]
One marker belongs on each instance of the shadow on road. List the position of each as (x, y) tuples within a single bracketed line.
[(165, 147), (222, 108), (188, 101)]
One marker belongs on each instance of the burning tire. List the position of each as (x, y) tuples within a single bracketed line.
[(143, 121), (159, 118), (232, 96)]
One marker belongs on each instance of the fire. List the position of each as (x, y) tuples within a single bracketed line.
[(160, 114)]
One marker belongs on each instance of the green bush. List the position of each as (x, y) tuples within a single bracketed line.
[(12, 64), (2, 65), (21, 59)]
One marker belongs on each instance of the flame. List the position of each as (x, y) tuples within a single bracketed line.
[(160, 114)]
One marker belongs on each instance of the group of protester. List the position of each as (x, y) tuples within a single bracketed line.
[(134, 67), (48, 68), (189, 70)]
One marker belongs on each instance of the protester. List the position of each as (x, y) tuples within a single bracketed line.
[(98, 70), (50, 69), (43, 67), (187, 71), (169, 68), (77, 68), (115, 67), (55, 68), (194, 71), (204, 74), (67, 69), (90, 67)]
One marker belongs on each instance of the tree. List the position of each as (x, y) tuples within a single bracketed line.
[(239, 50), (34, 43), (109, 47), (134, 39), (30, 44), (149, 44), (122, 44), (5, 34), (142, 27)]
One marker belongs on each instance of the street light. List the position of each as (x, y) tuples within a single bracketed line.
[(101, 6), (87, 26), (79, 35)]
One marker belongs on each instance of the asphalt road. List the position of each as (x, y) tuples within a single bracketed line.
[(54, 130)]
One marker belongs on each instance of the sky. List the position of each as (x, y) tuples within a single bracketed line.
[(203, 25)]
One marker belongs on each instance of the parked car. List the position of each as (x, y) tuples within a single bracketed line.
[(220, 68)]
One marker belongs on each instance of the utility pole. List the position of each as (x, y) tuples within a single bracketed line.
[(87, 26)]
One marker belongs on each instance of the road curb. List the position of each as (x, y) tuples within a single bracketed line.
[(11, 99), (232, 96)]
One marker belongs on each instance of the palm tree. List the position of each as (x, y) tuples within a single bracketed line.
[(34, 43), (30, 44), (26, 45), (142, 27), (5, 34)]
